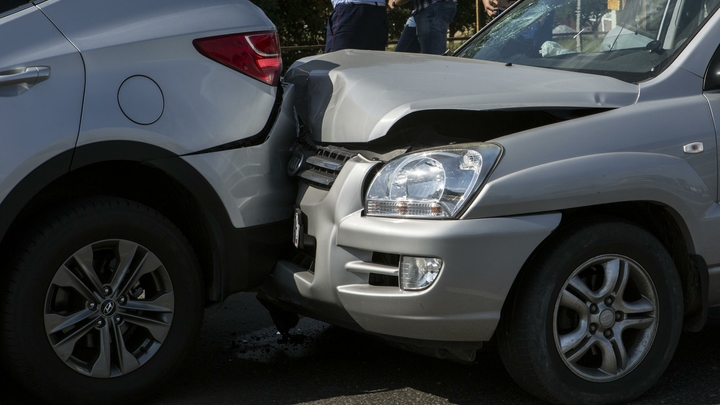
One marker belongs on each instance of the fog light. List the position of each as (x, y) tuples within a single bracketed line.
[(417, 273)]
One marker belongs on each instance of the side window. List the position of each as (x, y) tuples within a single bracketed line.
[(643, 17), (7, 5), (712, 76)]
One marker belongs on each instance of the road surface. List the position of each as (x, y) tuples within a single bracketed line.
[(239, 360)]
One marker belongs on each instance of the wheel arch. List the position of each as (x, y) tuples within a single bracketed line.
[(141, 172), (590, 270), (661, 221)]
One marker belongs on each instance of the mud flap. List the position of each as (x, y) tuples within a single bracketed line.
[(696, 321)]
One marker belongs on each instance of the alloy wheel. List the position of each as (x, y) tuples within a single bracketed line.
[(109, 308), (605, 318)]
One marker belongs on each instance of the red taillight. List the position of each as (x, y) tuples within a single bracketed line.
[(256, 54)]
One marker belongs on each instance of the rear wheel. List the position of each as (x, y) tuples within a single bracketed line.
[(596, 318), (103, 303)]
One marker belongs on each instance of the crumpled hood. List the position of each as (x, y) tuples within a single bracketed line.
[(356, 96)]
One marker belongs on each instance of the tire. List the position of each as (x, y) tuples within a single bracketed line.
[(102, 304), (596, 317)]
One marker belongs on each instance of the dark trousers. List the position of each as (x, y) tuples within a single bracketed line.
[(357, 26), (408, 41), (432, 26)]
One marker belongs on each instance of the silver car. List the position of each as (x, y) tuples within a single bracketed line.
[(552, 186), (143, 177)]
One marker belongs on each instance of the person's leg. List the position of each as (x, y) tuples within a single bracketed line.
[(374, 28), (408, 41), (329, 35), (357, 26), (432, 26), (340, 27)]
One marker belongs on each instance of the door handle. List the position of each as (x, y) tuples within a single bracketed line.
[(31, 75)]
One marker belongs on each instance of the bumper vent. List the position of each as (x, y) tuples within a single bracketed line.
[(323, 168)]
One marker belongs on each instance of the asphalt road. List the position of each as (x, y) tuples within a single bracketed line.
[(240, 360)]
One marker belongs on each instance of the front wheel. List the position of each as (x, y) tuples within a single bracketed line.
[(103, 302), (596, 318)]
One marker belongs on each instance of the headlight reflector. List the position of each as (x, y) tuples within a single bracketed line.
[(434, 183)]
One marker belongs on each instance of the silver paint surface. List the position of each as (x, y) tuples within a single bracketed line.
[(356, 96), (40, 121), (630, 152), (173, 97), (206, 104), (252, 182)]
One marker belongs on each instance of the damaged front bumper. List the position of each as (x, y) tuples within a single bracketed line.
[(338, 281)]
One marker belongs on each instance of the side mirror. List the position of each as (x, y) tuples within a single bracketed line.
[(712, 74)]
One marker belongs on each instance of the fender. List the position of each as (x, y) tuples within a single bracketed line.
[(593, 180), (234, 268), (604, 179), (242, 257), (30, 186), (65, 162), (213, 213), (615, 178), (117, 150)]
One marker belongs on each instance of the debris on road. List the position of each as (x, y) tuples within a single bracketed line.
[(268, 346)]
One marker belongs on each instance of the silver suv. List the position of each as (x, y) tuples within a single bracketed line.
[(142, 178), (552, 187)]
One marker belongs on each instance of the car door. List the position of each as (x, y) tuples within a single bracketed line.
[(711, 89), (41, 93)]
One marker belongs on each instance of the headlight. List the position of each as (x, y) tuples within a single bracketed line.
[(434, 183)]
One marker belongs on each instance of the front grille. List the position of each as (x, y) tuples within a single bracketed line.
[(324, 167)]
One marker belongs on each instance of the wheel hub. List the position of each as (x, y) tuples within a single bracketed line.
[(607, 318), (108, 308)]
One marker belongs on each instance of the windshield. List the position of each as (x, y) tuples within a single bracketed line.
[(628, 39)]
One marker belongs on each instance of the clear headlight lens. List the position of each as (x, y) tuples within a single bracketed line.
[(435, 183), (418, 273)]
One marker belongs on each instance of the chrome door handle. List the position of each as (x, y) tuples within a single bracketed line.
[(31, 75)]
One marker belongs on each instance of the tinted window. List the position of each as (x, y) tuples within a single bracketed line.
[(7, 5)]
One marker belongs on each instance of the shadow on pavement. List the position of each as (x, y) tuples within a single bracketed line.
[(240, 360)]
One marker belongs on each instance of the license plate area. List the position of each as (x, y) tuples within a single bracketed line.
[(298, 229)]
